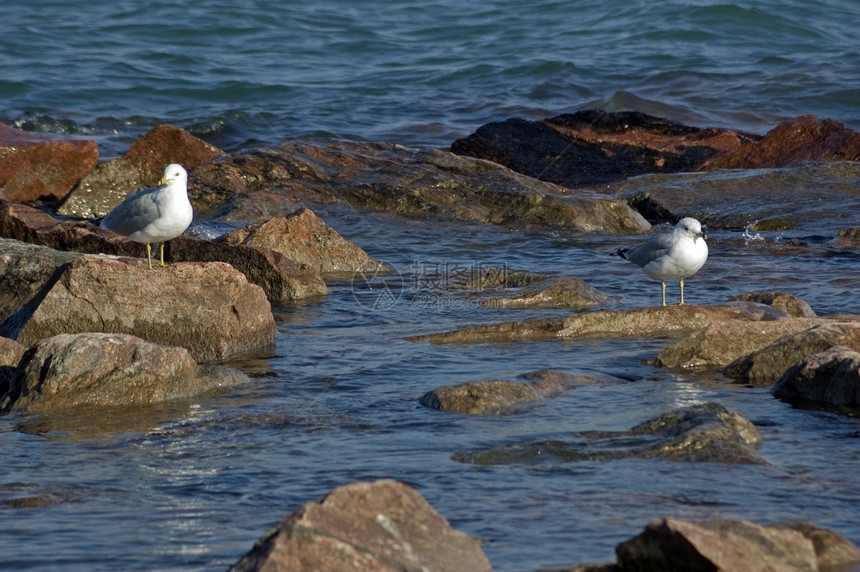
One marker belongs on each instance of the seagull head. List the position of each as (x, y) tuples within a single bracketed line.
[(173, 172), (692, 226)]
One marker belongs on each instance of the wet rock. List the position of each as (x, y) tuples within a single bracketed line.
[(707, 432), (765, 366), (282, 279), (332, 174), (727, 546), (34, 167), (494, 397), (806, 196), (831, 377), (848, 238), (210, 309), (11, 353), (380, 526), (141, 167), (24, 269), (548, 292), (304, 238), (832, 550), (783, 301), (527, 330), (720, 343), (96, 369), (597, 147), (799, 140)]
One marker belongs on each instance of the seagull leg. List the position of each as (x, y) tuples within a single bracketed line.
[(162, 254), (663, 284), (681, 303), (149, 255)]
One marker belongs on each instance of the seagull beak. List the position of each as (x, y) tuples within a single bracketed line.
[(163, 181), (703, 235)]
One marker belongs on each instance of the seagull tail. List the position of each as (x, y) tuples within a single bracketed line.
[(622, 252)]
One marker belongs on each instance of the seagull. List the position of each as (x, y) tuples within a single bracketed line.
[(672, 255), (154, 215)]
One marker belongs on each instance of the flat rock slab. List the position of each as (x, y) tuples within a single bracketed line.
[(380, 526), (97, 369), (210, 309)]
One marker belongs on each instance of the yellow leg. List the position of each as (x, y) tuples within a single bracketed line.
[(162, 254), (149, 255), (663, 285), (681, 303)]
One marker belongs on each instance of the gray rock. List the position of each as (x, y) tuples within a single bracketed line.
[(831, 377)]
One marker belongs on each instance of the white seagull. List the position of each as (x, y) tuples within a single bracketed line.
[(672, 255), (154, 215)]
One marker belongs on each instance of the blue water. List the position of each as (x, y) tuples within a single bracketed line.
[(192, 485)]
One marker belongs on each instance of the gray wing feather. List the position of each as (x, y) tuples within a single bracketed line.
[(136, 212), (649, 251)]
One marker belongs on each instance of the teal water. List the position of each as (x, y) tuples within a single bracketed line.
[(192, 485)]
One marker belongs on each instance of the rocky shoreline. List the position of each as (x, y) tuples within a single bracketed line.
[(86, 325)]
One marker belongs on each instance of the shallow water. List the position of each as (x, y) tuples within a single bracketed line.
[(192, 485)]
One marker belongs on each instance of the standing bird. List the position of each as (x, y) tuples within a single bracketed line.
[(154, 215), (672, 255)]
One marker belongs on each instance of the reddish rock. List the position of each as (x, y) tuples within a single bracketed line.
[(33, 167), (802, 139), (304, 238), (141, 167), (380, 526), (210, 309), (97, 369)]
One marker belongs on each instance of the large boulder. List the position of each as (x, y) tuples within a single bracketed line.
[(831, 377), (24, 269), (210, 309), (380, 526), (34, 167), (141, 167), (97, 369), (399, 180)]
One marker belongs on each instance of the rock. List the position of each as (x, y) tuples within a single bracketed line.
[(832, 550), (806, 196), (210, 309), (765, 366), (141, 167), (528, 330), (403, 181), (24, 269), (493, 397), (707, 432), (726, 546), (720, 343), (11, 353), (788, 303), (799, 140), (34, 167), (595, 147), (304, 238), (96, 369), (549, 292), (848, 238), (380, 526), (282, 279), (831, 377)]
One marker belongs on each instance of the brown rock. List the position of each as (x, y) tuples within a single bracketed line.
[(831, 377), (304, 238), (210, 309), (33, 167), (802, 139), (24, 269), (380, 526), (528, 330), (597, 147), (548, 292), (788, 303), (493, 397), (765, 366), (141, 167), (397, 180), (848, 237), (720, 343), (726, 546), (832, 550), (11, 353), (95, 369)]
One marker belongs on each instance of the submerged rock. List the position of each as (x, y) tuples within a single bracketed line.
[(37, 167), (409, 182), (765, 366), (97, 369), (708, 432), (789, 303), (141, 167), (831, 377), (527, 330), (547, 292), (494, 397), (380, 526), (210, 309)]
